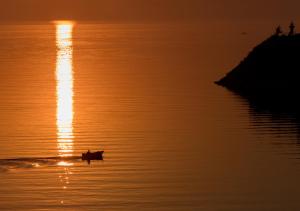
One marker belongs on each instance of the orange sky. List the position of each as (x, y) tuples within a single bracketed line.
[(138, 10)]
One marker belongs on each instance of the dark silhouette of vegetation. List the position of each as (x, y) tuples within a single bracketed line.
[(278, 31), (270, 74)]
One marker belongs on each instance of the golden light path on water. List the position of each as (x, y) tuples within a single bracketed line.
[(64, 88), (64, 98)]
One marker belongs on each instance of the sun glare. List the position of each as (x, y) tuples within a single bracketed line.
[(64, 88)]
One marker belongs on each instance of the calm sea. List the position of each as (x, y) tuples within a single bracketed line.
[(144, 94)]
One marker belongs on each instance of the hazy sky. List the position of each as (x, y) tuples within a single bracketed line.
[(139, 10)]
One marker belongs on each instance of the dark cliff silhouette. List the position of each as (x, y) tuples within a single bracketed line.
[(270, 74)]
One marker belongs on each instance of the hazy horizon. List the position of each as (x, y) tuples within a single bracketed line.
[(147, 10)]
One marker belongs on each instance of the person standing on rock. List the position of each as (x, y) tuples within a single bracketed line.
[(292, 29)]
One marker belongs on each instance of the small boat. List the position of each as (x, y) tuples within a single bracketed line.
[(92, 155)]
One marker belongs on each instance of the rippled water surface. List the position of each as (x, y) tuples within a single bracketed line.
[(144, 94)]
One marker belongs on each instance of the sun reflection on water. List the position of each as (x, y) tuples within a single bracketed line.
[(64, 164), (64, 98), (64, 88)]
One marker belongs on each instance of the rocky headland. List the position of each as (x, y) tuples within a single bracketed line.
[(270, 74)]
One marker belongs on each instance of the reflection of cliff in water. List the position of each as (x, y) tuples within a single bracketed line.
[(280, 127), (281, 122)]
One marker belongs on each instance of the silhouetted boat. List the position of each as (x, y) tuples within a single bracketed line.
[(92, 155)]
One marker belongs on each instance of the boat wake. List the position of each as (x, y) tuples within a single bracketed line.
[(12, 164)]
